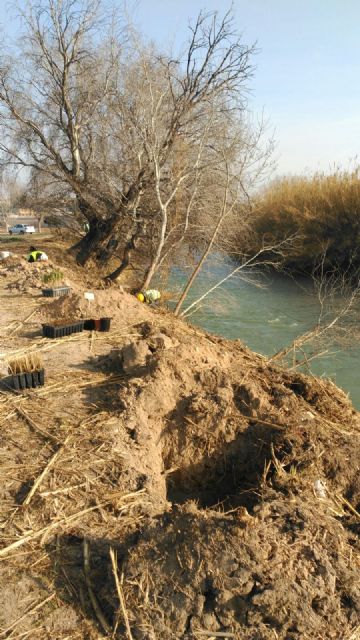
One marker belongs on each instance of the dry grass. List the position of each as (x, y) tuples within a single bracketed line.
[(114, 563), (318, 197), (322, 209), (66, 470), (61, 474), (355, 635), (32, 361)]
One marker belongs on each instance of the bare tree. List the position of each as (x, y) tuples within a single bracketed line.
[(48, 199), (52, 106), (259, 260), (12, 189), (181, 178), (240, 158), (79, 113)]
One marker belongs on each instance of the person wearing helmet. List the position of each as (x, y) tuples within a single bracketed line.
[(150, 296), (36, 255)]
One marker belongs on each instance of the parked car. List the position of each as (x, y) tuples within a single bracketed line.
[(22, 228)]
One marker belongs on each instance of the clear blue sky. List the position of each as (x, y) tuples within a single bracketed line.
[(308, 68)]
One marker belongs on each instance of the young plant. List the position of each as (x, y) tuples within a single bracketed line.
[(55, 277)]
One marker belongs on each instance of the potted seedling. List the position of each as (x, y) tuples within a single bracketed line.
[(26, 372), (59, 288)]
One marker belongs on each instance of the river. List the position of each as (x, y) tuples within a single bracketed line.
[(267, 314)]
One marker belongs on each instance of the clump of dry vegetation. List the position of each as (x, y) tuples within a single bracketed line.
[(322, 209), (27, 363)]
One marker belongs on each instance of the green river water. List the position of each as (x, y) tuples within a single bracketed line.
[(268, 318)]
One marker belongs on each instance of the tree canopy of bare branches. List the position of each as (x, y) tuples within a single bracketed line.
[(128, 133)]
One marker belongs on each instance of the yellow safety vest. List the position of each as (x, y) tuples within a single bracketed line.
[(34, 255)]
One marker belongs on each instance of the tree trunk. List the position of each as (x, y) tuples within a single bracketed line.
[(198, 266), (94, 243), (102, 239), (150, 272), (130, 246), (39, 222)]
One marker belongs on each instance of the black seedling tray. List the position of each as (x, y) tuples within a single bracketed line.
[(27, 380), (103, 324), (56, 292), (59, 331)]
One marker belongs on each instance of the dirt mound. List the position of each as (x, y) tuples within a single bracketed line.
[(29, 276), (113, 303), (228, 487), (271, 459), (213, 412)]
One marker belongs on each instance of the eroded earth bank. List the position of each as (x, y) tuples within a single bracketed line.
[(166, 483)]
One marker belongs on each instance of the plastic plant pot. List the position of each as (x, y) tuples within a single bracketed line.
[(28, 378), (102, 324), (22, 380), (35, 379), (38, 378), (15, 382), (89, 325), (105, 324)]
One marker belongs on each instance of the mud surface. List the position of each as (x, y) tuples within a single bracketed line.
[(227, 487)]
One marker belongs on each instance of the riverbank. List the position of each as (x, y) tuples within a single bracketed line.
[(268, 311), (228, 487)]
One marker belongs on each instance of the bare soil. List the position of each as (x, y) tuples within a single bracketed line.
[(227, 487)]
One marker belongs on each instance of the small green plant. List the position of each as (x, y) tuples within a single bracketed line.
[(54, 277)]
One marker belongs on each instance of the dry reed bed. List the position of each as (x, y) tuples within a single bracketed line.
[(318, 197), (322, 209)]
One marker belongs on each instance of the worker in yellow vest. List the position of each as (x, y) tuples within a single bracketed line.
[(36, 255), (149, 296)]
